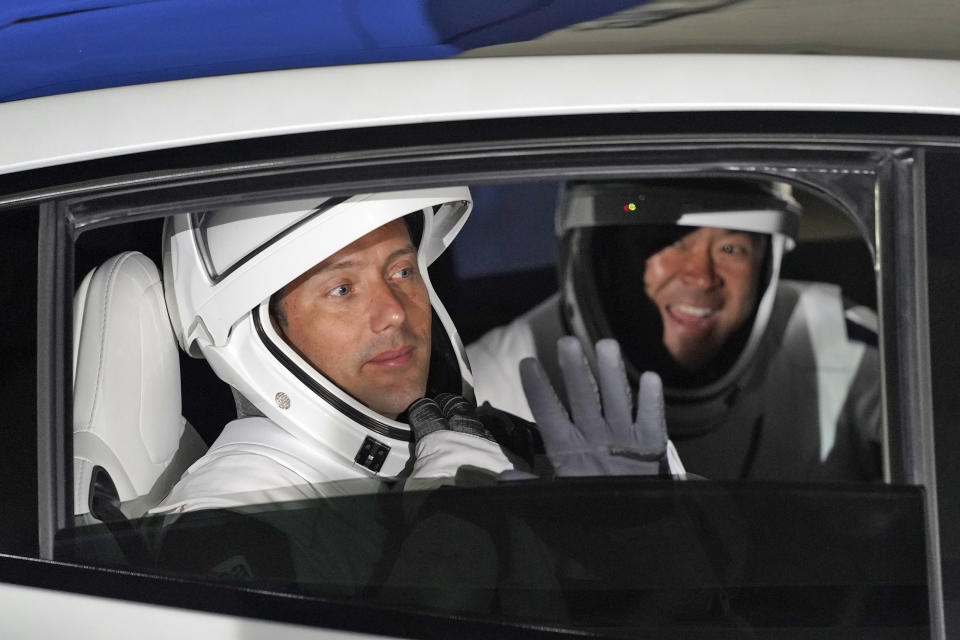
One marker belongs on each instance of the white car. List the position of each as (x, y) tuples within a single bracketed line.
[(118, 116)]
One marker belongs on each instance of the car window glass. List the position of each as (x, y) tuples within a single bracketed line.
[(18, 491), (592, 555), (943, 227), (830, 249), (600, 555)]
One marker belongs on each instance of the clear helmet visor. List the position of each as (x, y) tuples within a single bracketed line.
[(608, 231)]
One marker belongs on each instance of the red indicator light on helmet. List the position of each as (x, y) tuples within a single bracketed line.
[(630, 207)]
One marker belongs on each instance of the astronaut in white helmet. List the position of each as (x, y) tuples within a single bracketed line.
[(763, 378), (320, 315)]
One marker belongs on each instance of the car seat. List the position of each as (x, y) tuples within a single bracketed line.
[(130, 441)]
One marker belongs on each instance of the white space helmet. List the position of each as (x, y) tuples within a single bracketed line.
[(607, 230), (221, 267)]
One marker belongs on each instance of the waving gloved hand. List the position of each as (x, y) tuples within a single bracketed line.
[(599, 436)]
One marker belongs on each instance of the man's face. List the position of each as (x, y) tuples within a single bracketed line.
[(362, 318), (705, 287)]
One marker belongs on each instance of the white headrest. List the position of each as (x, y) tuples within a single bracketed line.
[(126, 399)]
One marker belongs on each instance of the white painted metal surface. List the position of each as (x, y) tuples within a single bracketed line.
[(38, 614), (95, 124)]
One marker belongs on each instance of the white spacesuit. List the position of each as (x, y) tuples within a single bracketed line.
[(794, 395), (304, 436)]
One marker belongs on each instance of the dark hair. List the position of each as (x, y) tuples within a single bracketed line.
[(276, 309)]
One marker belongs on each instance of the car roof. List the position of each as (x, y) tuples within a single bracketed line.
[(56, 130), (137, 76)]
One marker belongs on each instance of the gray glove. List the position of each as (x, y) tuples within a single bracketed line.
[(443, 455), (599, 440), (446, 411)]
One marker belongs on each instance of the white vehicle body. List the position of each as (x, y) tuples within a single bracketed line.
[(257, 105), (61, 130)]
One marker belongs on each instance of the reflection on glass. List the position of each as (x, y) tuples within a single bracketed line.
[(614, 555)]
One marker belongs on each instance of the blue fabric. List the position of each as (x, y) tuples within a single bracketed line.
[(58, 46)]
